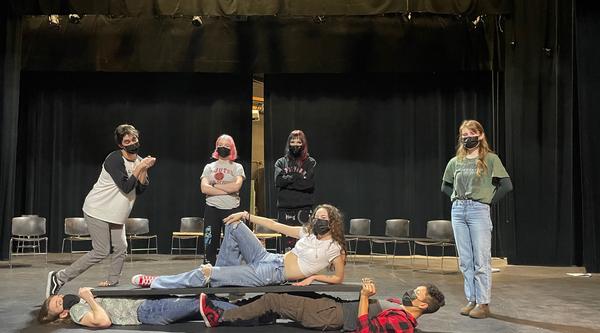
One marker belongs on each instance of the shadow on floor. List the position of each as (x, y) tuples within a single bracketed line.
[(548, 326)]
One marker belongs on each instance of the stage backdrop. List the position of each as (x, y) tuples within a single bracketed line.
[(381, 141), (66, 129)]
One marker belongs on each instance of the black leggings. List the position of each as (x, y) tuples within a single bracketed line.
[(213, 227)]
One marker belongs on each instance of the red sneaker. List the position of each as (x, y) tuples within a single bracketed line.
[(143, 281), (209, 311)]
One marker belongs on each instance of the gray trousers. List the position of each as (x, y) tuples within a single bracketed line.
[(103, 234), (320, 313)]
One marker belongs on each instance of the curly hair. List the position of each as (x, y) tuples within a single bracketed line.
[(336, 225), (435, 298)]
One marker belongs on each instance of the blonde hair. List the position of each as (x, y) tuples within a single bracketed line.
[(484, 147)]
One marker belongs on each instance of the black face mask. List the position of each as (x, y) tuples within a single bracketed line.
[(70, 300), (223, 151), (470, 142), (320, 227), (132, 148), (408, 298), (295, 151)]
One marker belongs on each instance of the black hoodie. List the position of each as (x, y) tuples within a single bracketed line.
[(295, 182)]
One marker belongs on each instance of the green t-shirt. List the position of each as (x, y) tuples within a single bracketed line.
[(462, 174), (121, 311)]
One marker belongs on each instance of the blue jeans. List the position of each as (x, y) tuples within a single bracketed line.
[(242, 261), (165, 311), (472, 227)]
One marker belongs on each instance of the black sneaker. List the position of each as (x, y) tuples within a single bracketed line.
[(53, 284)]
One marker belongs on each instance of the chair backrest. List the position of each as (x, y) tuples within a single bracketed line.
[(360, 227), (191, 224), (76, 226), (397, 228), (440, 229), (28, 226), (137, 226)]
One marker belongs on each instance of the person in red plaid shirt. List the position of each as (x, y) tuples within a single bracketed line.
[(324, 312)]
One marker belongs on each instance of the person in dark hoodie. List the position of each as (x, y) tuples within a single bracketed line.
[(295, 182)]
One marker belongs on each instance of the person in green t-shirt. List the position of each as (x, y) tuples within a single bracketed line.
[(474, 179)]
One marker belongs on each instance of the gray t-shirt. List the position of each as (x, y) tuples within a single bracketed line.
[(121, 311), (223, 172), (462, 174)]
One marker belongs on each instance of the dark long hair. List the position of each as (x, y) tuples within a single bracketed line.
[(300, 135)]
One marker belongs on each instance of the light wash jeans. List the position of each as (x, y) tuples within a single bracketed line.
[(472, 227), (242, 261)]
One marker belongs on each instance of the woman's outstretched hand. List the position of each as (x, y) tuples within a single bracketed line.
[(304, 282), (235, 218)]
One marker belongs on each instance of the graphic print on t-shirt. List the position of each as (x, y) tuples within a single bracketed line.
[(466, 177)]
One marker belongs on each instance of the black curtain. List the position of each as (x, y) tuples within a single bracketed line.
[(539, 131), (263, 7), (381, 141), (345, 44), (588, 85), (66, 130), (10, 60)]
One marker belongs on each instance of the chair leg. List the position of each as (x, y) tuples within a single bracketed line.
[(394, 254), (10, 246), (46, 251), (371, 250), (131, 249), (172, 240), (410, 253), (385, 251), (71, 248), (427, 256), (442, 258)]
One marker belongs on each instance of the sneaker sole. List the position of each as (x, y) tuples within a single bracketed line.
[(48, 283), (202, 304)]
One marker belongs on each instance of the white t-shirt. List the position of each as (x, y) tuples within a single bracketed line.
[(112, 197), (315, 254), (223, 172)]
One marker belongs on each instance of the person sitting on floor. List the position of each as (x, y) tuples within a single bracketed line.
[(321, 244), (327, 313)]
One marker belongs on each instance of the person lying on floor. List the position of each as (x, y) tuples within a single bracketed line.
[(328, 313), (320, 244), (104, 312)]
